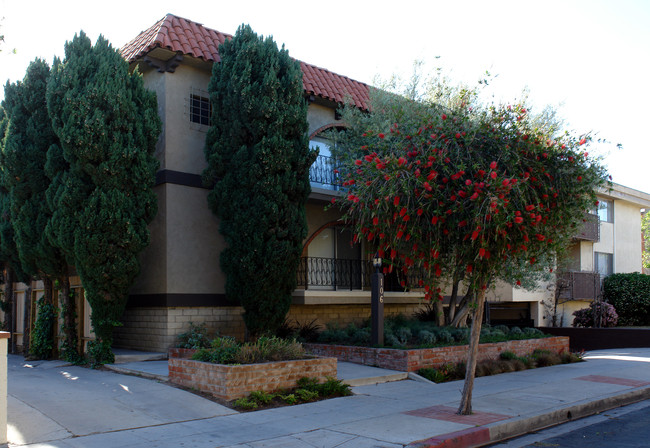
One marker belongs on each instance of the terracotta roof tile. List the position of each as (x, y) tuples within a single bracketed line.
[(191, 38)]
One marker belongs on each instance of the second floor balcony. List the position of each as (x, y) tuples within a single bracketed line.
[(324, 174), (589, 230), (342, 274), (577, 285)]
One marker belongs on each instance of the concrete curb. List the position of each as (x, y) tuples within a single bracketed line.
[(147, 375), (484, 435)]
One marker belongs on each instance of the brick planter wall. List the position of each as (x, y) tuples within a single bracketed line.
[(413, 360), (230, 382)]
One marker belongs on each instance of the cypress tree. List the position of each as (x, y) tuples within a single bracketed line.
[(258, 160), (28, 139), (108, 126), (11, 266)]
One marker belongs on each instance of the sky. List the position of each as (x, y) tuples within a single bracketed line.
[(588, 58)]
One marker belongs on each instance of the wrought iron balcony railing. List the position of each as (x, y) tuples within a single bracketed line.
[(323, 173), (334, 273)]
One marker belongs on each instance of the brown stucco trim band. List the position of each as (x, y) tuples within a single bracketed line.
[(177, 300), (179, 178)]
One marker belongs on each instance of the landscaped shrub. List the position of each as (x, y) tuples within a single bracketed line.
[(401, 332), (585, 316), (42, 340), (194, 338), (507, 362), (307, 389), (305, 332), (265, 349), (630, 295), (544, 358), (426, 337)]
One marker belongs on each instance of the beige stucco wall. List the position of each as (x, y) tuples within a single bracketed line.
[(606, 243), (627, 233), (183, 141), (586, 256), (319, 116), (153, 259), (193, 243)]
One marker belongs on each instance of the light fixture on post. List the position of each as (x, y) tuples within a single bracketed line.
[(377, 303)]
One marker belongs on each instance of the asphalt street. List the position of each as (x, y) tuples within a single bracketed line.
[(624, 427)]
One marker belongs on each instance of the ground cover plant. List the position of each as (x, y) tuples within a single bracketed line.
[(306, 391), (507, 362), (400, 332), (226, 350)]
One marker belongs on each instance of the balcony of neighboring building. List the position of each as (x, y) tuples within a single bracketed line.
[(589, 230), (578, 285)]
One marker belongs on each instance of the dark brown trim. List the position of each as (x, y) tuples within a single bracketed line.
[(179, 178), (177, 300)]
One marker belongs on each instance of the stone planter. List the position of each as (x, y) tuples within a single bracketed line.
[(415, 359), (229, 382)]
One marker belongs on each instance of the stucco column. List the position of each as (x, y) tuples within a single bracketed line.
[(4, 338)]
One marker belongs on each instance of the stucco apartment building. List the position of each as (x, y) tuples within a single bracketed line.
[(181, 281)]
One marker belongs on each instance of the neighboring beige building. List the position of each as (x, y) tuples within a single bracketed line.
[(610, 242), (181, 281)]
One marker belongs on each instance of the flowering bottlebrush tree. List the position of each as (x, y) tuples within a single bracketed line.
[(484, 191)]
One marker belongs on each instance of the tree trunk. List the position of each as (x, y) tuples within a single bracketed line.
[(13, 328), (48, 295), (27, 320), (460, 319), (453, 303), (465, 407), (48, 290), (440, 312), (70, 341)]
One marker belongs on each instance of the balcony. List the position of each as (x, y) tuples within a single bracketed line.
[(579, 285), (322, 173), (339, 274), (589, 230)]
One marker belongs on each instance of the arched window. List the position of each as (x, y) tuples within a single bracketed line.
[(323, 173)]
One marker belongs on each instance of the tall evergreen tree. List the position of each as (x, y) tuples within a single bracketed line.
[(108, 126), (29, 137), (11, 266), (258, 160)]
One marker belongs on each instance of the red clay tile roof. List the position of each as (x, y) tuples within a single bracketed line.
[(191, 38)]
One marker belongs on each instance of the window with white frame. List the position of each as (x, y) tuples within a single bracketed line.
[(604, 263), (605, 210)]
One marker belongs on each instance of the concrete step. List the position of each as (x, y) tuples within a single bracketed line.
[(123, 356), (360, 375)]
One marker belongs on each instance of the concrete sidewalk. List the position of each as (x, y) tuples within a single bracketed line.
[(56, 405)]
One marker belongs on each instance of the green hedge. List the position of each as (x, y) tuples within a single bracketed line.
[(630, 295)]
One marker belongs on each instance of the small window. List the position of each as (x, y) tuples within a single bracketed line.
[(200, 109), (604, 263), (605, 210)]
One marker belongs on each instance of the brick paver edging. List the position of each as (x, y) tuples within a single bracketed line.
[(229, 382), (415, 359)]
